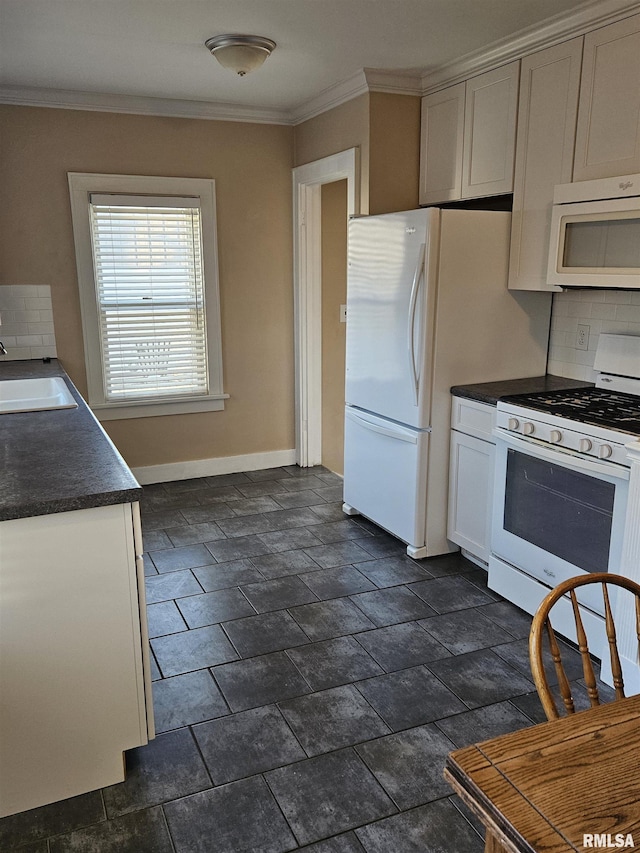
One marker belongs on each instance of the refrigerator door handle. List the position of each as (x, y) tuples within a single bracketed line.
[(413, 302), (399, 433)]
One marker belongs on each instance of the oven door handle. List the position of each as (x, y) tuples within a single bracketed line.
[(559, 455)]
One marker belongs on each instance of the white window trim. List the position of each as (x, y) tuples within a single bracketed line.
[(81, 185)]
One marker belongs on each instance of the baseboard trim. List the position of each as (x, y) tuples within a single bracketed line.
[(210, 467)]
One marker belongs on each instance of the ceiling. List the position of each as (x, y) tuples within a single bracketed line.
[(155, 48)]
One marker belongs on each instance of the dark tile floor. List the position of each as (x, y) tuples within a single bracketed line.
[(309, 681)]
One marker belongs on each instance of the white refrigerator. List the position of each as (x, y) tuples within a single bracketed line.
[(427, 308)]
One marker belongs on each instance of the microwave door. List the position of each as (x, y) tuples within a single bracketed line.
[(595, 244)]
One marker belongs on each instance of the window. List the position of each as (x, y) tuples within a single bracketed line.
[(147, 271)]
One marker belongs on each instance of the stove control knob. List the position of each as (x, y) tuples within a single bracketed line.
[(605, 451), (585, 445), (556, 436), (528, 428), (514, 423)]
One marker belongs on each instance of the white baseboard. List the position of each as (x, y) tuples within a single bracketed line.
[(210, 467)]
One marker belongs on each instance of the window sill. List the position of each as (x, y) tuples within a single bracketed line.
[(155, 408)]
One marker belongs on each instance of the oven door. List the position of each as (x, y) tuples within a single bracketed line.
[(557, 514)]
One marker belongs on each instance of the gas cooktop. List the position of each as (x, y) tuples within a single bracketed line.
[(600, 407)]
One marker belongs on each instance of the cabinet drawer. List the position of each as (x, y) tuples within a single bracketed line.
[(473, 418)]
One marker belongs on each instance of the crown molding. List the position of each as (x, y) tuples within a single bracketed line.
[(362, 82), (393, 82), (555, 30), (133, 105), (332, 97)]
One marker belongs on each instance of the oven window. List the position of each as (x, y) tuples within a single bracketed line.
[(563, 512)]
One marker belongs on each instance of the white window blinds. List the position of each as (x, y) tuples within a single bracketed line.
[(148, 270)]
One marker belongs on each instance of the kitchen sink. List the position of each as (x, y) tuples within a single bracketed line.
[(32, 395)]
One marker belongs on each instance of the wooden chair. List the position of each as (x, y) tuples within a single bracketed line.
[(541, 627)]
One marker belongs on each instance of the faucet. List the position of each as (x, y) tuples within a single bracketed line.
[(3, 349)]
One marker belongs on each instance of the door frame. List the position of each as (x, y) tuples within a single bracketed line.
[(307, 290)]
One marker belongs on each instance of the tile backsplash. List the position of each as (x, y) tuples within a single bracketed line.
[(26, 322), (599, 310)]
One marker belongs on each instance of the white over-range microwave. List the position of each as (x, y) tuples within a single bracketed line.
[(595, 234)]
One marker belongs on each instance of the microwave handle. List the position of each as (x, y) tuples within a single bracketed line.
[(574, 460)]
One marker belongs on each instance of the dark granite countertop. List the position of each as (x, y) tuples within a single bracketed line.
[(60, 460), (491, 392)]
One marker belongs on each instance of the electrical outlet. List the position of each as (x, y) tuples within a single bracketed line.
[(582, 338)]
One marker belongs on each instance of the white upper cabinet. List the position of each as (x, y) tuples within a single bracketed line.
[(608, 132), (491, 103), (468, 138), (441, 147), (548, 105)]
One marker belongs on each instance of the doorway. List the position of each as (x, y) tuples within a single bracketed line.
[(334, 325), (308, 181)]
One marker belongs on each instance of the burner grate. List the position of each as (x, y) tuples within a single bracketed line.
[(613, 409)]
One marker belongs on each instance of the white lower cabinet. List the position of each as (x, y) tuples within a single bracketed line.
[(471, 477), (74, 661)]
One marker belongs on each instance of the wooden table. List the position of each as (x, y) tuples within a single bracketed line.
[(541, 790)]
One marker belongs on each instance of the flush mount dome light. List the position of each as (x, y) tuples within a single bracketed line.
[(241, 54)]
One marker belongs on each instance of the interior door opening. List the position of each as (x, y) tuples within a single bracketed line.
[(308, 183), (334, 294)]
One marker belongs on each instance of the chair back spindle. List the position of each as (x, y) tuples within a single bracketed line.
[(583, 647), (616, 668), (541, 626)]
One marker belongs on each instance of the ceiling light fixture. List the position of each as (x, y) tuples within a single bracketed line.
[(241, 54)]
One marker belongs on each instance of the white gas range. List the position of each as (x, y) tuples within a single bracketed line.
[(562, 480)]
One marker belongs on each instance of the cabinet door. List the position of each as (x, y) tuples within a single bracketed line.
[(548, 105), (145, 675), (491, 103), (441, 145), (470, 493), (71, 655), (608, 133)]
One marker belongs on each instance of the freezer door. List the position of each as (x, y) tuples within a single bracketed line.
[(390, 306), (385, 474)]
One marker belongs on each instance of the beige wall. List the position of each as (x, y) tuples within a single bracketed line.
[(386, 130), (344, 127), (334, 294), (394, 152), (251, 164)]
